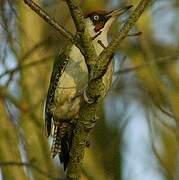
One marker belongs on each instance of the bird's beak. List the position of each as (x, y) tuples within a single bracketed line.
[(116, 13)]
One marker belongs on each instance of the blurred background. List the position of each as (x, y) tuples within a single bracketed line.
[(137, 136)]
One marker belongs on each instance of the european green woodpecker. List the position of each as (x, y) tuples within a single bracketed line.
[(69, 77)]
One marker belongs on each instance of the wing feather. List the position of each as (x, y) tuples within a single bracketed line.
[(59, 66)]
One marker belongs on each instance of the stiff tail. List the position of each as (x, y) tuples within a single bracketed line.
[(62, 138), (56, 144), (65, 150)]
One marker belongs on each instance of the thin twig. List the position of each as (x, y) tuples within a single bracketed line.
[(44, 15), (101, 43), (22, 67), (34, 48), (160, 61), (4, 94), (122, 34)]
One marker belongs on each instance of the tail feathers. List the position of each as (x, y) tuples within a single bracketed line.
[(56, 145), (48, 123), (65, 150), (61, 142)]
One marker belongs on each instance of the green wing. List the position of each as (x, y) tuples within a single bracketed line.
[(59, 66)]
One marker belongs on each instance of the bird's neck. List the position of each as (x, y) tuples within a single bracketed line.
[(102, 36), (99, 46)]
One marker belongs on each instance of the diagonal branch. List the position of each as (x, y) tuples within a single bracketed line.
[(122, 34), (86, 40), (24, 66), (44, 15), (157, 62)]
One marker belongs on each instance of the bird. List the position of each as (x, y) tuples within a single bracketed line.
[(69, 77)]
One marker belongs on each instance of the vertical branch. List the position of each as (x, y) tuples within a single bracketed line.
[(86, 40), (95, 88)]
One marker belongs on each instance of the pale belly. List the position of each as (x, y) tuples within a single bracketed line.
[(74, 80)]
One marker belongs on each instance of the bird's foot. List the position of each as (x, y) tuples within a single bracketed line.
[(83, 93), (87, 99), (80, 92)]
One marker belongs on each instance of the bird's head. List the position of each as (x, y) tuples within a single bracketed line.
[(101, 21)]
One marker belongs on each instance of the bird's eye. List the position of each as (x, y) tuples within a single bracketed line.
[(96, 17)]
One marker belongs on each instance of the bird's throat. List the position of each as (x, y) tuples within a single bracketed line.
[(100, 42)]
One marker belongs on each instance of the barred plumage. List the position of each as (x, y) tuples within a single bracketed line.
[(56, 145), (60, 129)]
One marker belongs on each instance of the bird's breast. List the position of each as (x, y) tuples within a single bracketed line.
[(73, 80)]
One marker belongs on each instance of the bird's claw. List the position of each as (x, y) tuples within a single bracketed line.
[(87, 99), (83, 93)]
